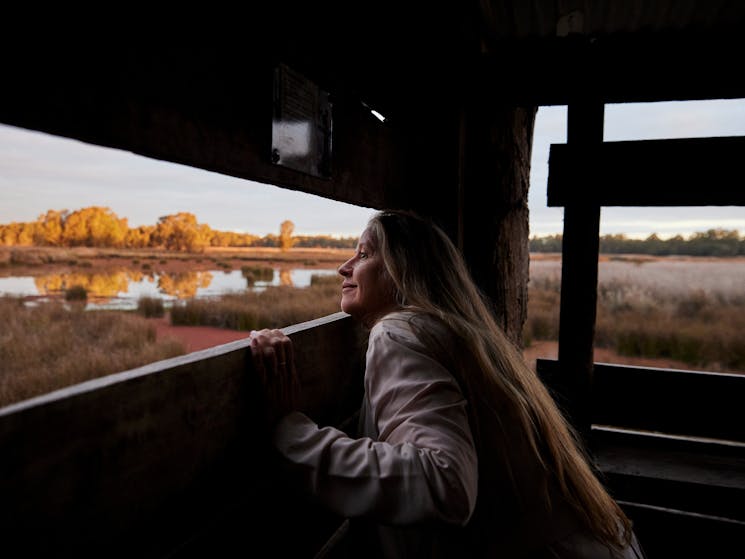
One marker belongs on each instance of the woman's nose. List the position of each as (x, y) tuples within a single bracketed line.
[(345, 269)]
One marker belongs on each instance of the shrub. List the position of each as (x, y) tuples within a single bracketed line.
[(76, 293), (150, 307), (275, 307), (254, 274)]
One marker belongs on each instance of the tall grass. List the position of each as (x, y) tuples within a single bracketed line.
[(701, 330), (275, 307), (685, 310), (52, 345)]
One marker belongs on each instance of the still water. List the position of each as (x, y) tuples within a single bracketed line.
[(123, 288)]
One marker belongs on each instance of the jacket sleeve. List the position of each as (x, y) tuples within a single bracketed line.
[(422, 467)]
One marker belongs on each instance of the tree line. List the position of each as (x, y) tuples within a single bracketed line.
[(98, 226), (714, 242)]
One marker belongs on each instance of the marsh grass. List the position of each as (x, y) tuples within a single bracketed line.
[(275, 307), (702, 330), (685, 310), (54, 345)]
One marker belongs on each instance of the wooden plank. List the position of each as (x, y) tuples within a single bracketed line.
[(673, 533), (680, 172), (696, 476), (691, 403), (579, 275), (141, 461), (699, 404), (668, 483)]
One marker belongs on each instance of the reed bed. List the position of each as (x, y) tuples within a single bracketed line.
[(275, 307), (55, 345), (687, 310)]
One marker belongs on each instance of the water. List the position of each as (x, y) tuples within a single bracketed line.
[(123, 288)]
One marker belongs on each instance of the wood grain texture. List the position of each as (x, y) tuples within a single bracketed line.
[(142, 460)]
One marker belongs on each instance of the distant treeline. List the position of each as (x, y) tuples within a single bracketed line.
[(100, 227), (714, 242)]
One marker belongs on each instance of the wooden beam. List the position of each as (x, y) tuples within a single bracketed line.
[(579, 273), (209, 108), (677, 402), (681, 172), (495, 151)]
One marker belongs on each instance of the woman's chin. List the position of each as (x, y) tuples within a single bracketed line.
[(347, 308)]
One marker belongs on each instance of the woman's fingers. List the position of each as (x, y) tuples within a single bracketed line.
[(268, 348), (274, 362)]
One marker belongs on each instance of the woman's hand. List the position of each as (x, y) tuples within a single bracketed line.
[(274, 364)]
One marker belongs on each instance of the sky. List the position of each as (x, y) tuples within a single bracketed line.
[(39, 172)]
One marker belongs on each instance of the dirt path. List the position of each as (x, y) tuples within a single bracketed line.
[(196, 338)]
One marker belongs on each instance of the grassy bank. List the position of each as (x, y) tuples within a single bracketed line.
[(29, 257)]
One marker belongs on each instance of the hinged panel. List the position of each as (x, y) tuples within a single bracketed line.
[(301, 124)]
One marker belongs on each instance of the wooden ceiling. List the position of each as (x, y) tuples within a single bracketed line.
[(199, 92), (527, 52)]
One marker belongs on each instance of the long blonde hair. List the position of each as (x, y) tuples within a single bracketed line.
[(431, 277)]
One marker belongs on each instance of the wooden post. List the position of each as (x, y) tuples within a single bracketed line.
[(494, 223), (470, 170), (579, 275)]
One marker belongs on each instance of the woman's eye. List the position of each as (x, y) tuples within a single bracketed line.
[(363, 255)]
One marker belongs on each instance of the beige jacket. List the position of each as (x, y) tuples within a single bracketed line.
[(411, 483)]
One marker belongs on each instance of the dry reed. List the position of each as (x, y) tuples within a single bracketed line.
[(688, 310), (275, 307), (52, 346)]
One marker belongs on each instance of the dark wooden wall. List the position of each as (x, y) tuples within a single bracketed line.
[(171, 459)]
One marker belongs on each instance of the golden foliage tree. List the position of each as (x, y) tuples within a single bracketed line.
[(94, 226), (139, 237), (50, 227), (286, 228), (181, 232), (21, 234)]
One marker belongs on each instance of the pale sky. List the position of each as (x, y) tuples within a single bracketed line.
[(40, 172)]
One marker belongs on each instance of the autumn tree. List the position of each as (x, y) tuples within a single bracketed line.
[(15, 233), (94, 226), (49, 228), (181, 232), (139, 237), (286, 229)]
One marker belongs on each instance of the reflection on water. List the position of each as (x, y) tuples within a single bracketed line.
[(121, 289)]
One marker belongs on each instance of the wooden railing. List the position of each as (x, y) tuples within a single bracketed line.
[(171, 459), (670, 445)]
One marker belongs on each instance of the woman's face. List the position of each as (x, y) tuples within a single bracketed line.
[(367, 292)]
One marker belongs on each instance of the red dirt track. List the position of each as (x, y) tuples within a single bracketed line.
[(196, 338)]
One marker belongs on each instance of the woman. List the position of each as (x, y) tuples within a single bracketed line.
[(463, 451)]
